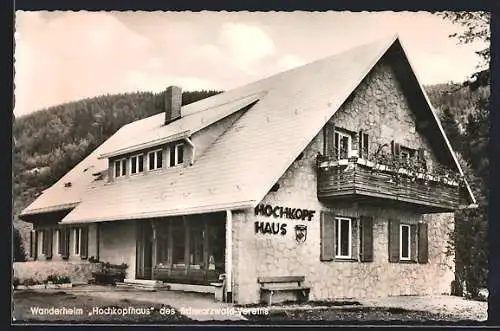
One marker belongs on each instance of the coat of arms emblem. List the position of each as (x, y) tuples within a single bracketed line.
[(300, 233)]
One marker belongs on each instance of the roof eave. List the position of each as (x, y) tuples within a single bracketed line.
[(27, 214), (150, 144), (169, 213)]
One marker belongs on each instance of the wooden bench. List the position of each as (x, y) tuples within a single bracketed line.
[(271, 285)]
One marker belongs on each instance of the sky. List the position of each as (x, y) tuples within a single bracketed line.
[(66, 56)]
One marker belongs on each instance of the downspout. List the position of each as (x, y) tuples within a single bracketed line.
[(228, 263), (193, 148)]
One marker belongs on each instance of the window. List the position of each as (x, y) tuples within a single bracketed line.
[(196, 248), (155, 159), (136, 164), (178, 246), (343, 240), (120, 167), (406, 153), (176, 155), (404, 248), (363, 144), (408, 242), (77, 237), (342, 145)]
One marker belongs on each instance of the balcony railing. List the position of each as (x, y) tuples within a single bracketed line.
[(389, 179)]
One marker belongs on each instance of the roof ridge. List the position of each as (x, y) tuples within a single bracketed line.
[(223, 103)]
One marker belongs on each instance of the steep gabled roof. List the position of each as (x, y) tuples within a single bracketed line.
[(242, 165)]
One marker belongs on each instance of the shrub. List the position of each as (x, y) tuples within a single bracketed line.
[(30, 281), (108, 265), (56, 279), (110, 273), (92, 259), (19, 254), (469, 244)]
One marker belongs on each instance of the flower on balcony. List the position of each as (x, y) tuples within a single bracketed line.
[(408, 167), (412, 168)]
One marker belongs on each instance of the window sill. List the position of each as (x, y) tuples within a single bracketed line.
[(345, 259), (406, 262), (137, 174)]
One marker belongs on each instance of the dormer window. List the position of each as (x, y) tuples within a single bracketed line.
[(176, 154), (155, 159), (137, 164), (120, 167)]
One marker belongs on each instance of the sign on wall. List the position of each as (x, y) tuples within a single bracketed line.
[(283, 213)]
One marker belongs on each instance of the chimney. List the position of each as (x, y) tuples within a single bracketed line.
[(173, 101)]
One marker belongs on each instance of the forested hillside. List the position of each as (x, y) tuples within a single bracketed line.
[(463, 113)]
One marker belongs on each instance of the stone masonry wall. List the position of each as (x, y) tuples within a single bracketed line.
[(378, 107)]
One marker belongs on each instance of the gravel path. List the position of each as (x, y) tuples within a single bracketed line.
[(454, 306)]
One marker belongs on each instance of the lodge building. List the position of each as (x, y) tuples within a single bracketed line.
[(338, 172)]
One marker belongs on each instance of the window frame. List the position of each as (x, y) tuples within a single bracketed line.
[(410, 152), (155, 158), (137, 163), (176, 153), (121, 162), (401, 257), (338, 238), (342, 133)]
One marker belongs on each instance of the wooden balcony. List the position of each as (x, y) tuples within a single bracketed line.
[(361, 180)]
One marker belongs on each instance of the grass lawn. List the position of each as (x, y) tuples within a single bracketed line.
[(362, 315), (26, 302)]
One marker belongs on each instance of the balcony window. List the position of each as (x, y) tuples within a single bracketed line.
[(406, 153), (363, 144), (342, 145)]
